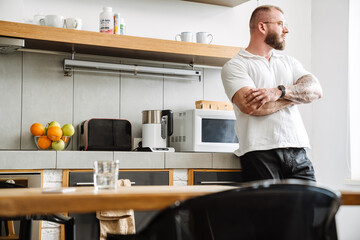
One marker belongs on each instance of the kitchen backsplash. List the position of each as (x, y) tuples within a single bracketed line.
[(33, 88)]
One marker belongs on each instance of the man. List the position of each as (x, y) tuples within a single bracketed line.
[(265, 88)]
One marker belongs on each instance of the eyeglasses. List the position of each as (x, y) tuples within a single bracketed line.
[(280, 23)]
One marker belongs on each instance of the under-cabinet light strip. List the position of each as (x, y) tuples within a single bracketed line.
[(192, 78), (68, 63)]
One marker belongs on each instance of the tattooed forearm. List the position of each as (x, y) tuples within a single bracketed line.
[(306, 90), (271, 107)]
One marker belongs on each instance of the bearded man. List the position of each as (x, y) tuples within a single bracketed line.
[(265, 89)]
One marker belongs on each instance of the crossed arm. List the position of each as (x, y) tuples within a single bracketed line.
[(264, 101)]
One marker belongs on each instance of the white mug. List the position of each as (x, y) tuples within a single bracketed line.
[(73, 23), (37, 18), (53, 21), (185, 37), (204, 37)]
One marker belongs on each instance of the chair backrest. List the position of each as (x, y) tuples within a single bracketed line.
[(273, 209), (25, 231), (9, 224), (4, 184)]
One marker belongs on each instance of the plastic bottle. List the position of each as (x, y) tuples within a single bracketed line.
[(122, 27), (117, 23), (107, 20)]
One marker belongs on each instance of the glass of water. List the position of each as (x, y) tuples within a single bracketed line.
[(106, 174)]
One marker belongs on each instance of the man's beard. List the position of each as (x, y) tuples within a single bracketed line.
[(273, 40)]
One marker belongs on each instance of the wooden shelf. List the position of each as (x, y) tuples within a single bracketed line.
[(224, 3), (59, 39)]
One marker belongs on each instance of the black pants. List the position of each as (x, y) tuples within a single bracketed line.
[(279, 163)]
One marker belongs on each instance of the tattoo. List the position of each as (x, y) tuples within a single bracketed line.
[(306, 90)]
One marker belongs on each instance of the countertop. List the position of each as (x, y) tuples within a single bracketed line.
[(128, 160)]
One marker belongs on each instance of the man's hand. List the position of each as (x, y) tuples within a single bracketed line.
[(258, 97)]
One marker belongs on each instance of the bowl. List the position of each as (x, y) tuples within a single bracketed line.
[(67, 141)]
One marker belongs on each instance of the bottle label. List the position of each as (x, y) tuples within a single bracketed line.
[(106, 26), (122, 29), (116, 24)]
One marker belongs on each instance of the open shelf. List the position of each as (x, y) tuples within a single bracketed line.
[(224, 3), (68, 40)]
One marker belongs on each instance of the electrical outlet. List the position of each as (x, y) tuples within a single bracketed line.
[(136, 142)]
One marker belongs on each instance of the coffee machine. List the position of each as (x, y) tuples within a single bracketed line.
[(157, 127)]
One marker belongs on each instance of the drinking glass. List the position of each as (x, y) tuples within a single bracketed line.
[(106, 174)]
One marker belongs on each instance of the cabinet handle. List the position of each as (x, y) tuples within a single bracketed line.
[(84, 184), (92, 184), (216, 182), (11, 181)]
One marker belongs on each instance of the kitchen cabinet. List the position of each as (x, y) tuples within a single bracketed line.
[(87, 225), (86, 42), (225, 3), (214, 176)]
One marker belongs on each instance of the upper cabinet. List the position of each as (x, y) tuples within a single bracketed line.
[(225, 3), (68, 40)]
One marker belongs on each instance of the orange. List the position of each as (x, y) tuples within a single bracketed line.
[(44, 142), (37, 129), (65, 139), (54, 133)]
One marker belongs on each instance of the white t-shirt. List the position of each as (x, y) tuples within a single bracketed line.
[(281, 129)]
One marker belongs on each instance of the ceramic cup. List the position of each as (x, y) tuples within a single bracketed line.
[(53, 21), (204, 37), (73, 23), (185, 37), (37, 18)]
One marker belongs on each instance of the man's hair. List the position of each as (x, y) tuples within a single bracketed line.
[(259, 11)]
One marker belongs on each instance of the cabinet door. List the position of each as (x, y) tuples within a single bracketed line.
[(87, 225), (214, 177), (137, 178)]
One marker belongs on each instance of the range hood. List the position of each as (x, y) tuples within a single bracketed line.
[(10, 45)]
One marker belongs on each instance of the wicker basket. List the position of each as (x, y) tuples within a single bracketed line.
[(214, 105)]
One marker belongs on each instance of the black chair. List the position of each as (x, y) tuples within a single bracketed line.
[(271, 209), (25, 231)]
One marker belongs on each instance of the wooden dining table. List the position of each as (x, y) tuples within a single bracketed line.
[(15, 202), (86, 199)]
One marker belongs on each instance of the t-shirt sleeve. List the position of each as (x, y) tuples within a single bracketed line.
[(298, 70), (234, 77)]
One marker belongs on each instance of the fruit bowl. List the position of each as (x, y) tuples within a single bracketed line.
[(44, 143)]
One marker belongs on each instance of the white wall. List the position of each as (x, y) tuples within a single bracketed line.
[(354, 86), (330, 53), (330, 64)]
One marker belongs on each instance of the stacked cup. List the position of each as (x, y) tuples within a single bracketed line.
[(73, 23), (58, 21), (201, 37)]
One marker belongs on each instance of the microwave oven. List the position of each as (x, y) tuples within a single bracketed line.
[(200, 130)]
